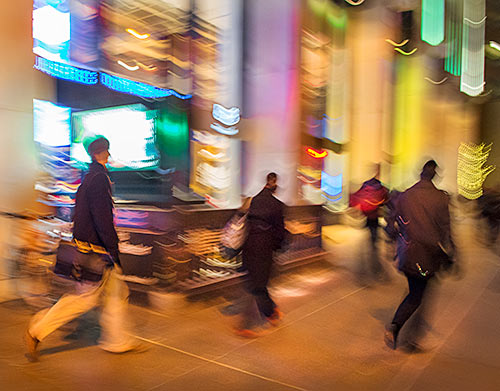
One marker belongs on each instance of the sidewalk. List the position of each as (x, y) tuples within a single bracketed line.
[(330, 339)]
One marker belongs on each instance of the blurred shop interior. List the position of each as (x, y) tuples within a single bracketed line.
[(201, 99)]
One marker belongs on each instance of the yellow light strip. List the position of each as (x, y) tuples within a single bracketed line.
[(136, 34), (146, 67), (397, 44), (351, 2), (405, 53)]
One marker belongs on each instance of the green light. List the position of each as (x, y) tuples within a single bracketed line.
[(454, 25), (172, 132), (432, 21)]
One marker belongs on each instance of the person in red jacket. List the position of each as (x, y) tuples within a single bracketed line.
[(96, 265), (369, 199)]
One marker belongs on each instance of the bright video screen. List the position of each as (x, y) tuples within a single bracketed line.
[(130, 131), (67, 31)]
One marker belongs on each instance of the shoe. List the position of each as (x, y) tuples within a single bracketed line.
[(275, 318), (248, 333), (391, 336), (138, 347), (412, 347), (31, 345)]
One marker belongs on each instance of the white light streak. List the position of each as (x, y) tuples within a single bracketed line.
[(495, 45), (435, 82), (476, 23), (231, 131), (226, 116), (126, 66)]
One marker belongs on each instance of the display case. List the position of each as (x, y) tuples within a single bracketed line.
[(179, 248)]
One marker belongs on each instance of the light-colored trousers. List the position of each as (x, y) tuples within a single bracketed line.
[(111, 293)]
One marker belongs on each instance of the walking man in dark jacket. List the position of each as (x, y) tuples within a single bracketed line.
[(424, 244), (266, 232), (97, 264)]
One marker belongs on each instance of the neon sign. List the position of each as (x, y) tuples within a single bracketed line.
[(316, 154)]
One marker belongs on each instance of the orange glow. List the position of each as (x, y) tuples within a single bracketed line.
[(316, 154)]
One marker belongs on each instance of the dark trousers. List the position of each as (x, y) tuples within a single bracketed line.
[(265, 304), (411, 302), (372, 224)]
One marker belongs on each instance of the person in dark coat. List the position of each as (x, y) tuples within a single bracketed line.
[(266, 233), (96, 262), (93, 218), (424, 245)]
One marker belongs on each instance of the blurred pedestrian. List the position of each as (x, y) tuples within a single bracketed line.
[(425, 246), (369, 199), (489, 208), (266, 233), (96, 265)]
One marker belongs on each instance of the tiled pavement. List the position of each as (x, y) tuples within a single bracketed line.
[(330, 339)]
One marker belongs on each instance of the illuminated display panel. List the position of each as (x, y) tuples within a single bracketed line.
[(130, 131), (454, 18), (51, 29), (433, 21), (66, 31), (51, 123), (472, 79)]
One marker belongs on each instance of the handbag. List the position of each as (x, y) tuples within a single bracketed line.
[(422, 260), (76, 263), (235, 232)]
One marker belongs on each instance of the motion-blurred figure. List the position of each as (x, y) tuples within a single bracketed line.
[(422, 223), (266, 233), (369, 199), (489, 206), (97, 265)]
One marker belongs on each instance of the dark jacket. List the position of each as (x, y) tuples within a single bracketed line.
[(266, 232), (266, 215), (423, 219), (93, 219)]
